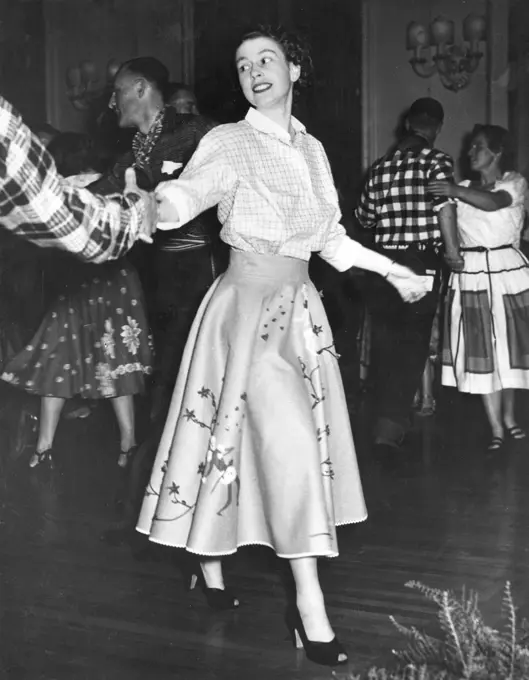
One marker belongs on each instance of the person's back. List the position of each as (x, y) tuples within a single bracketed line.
[(411, 226), (405, 211), (395, 201)]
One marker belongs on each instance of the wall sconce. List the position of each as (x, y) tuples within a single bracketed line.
[(82, 83), (453, 63)]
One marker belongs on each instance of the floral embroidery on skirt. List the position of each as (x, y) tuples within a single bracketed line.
[(257, 447), (94, 341)]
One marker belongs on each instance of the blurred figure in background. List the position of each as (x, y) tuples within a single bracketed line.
[(181, 267), (182, 98), (46, 133), (414, 229), (94, 341)]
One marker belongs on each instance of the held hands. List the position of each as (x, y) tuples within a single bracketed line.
[(168, 217), (410, 286), (148, 225), (454, 260)]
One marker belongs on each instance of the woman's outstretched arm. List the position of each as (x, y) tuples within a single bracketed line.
[(486, 200)]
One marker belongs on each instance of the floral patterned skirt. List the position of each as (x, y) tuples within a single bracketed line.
[(94, 341), (257, 447)]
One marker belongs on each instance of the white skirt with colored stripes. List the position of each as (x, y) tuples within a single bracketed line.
[(486, 328)]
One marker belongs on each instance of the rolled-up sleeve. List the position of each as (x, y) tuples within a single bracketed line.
[(442, 168), (36, 204)]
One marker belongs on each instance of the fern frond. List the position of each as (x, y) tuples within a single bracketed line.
[(422, 648), (453, 642), (508, 635), (467, 647), (433, 594)]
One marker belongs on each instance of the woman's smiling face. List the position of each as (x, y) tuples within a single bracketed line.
[(265, 75), (481, 156)]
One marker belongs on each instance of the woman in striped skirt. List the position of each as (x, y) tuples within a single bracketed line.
[(486, 335)]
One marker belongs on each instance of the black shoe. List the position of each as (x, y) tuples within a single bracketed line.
[(216, 598), (496, 445), (324, 653), (126, 456), (389, 433), (516, 433), (42, 458)]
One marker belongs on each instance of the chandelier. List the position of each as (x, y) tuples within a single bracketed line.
[(83, 83), (434, 50)]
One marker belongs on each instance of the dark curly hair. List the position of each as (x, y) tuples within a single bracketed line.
[(295, 48), (499, 141)]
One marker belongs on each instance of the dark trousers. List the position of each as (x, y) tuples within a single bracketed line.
[(400, 340), (182, 279)]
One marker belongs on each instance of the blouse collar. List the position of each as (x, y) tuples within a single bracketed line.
[(262, 123)]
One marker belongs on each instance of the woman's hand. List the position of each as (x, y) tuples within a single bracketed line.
[(410, 286), (443, 187), (168, 216), (454, 260)]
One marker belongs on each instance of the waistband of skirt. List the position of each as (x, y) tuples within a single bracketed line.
[(277, 267)]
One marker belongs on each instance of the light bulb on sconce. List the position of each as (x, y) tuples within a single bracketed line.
[(82, 82), (443, 31), (454, 63)]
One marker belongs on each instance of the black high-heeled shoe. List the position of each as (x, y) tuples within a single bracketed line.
[(324, 653), (218, 599), (126, 456), (42, 458)]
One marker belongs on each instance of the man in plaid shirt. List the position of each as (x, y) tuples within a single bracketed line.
[(36, 204), (413, 228)]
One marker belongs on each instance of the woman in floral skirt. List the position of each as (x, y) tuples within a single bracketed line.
[(257, 447), (94, 341)]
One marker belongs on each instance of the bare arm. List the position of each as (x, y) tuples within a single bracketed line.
[(447, 217), (489, 201)]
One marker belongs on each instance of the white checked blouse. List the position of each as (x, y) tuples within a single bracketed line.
[(395, 200), (275, 194)]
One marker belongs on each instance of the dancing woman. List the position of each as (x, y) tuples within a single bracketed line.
[(94, 340), (257, 447), (486, 339)]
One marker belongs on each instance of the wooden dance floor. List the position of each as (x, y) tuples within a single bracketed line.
[(73, 607)]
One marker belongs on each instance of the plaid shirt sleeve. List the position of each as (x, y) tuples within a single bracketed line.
[(366, 210), (36, 204), (442, 168)]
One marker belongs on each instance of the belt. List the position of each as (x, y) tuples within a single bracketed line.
[(436, 247), (184, 244), (483, 249)]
